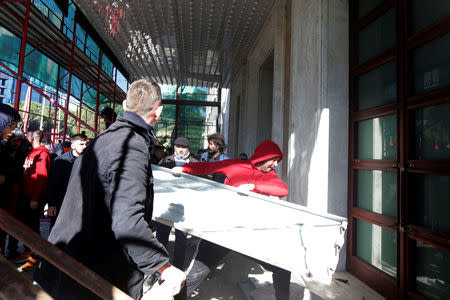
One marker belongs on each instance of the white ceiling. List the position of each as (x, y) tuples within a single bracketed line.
[(186, 42)]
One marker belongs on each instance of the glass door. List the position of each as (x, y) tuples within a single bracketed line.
[(399, 179)]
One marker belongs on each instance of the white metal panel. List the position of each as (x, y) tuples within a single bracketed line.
[(266, 228)]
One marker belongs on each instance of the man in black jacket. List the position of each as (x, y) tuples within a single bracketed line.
[(59, 175), (180, 157), (103, 222)]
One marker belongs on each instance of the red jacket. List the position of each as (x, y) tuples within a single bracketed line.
[(240, 172), (35, 176)]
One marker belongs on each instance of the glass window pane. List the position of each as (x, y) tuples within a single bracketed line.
[(365, 6), (196, 93), (432, 139), (196, 123), (377, 87), (377, 191), (424, 13), (431, 65), (432, 272), (165, 127), (432, 205), (377, 37), (121, 81), (377, 246), (377, 138)]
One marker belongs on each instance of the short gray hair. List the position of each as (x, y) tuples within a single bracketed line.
[(142, 96)]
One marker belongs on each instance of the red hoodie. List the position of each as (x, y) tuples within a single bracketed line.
[(35, 176), (240, 172)]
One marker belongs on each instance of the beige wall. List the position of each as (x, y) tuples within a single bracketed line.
[(246, 86), (317, 154), (317, 132)]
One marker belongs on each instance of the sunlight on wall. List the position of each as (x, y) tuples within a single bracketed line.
[(291, 151), (225, 115), (318, 172), (377, 193)]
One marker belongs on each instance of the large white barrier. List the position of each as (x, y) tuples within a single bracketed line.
[(266, 228)]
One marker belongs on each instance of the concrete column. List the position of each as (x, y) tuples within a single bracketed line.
[(318, 128)]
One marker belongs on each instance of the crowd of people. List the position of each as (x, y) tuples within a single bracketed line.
[(100, 199), (31, 177)]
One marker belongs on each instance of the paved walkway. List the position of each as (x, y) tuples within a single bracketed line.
[(240, 278)]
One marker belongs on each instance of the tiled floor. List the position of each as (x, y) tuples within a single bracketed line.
[(240, 278)]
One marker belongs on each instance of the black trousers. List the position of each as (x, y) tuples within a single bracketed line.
[(30, 217), (210, 256), (162, 234)]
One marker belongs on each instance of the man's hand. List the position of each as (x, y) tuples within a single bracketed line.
[(33, 204), (2, 178), (52, 211), (177, 170), (174, 279), (246, 187)]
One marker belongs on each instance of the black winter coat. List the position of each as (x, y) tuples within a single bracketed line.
[(103, 222), (58, 178)]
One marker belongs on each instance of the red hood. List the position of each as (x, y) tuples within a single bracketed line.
[(266, 150), (40, 149)]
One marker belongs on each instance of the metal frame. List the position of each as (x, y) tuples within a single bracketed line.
[(31, 21)]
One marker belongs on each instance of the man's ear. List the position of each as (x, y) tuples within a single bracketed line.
[(124, 104), (158, 112)]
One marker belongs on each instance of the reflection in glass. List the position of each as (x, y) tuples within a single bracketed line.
[(365, 6), (192, 93), (377, 37), (432, 139), (377, 138), (424, 13), (431, 65), (196, 123), (377, 87), (432, 205), (377, 191), (432, 271), (165, 127), (377, 246)]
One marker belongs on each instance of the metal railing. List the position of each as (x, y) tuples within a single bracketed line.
[(9, 283)]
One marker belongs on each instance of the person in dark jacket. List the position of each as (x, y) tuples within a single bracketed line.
[(59, 149), (215, 152), (104, 218), (60, 174), (180, 157), (257, 175), (8, 170), (17, 149), (8, 123), (157, 154)]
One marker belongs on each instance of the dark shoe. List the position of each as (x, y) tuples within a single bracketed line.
[(22, 257)]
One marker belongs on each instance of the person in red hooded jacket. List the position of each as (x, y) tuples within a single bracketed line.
[(36, 167), (257, 175)]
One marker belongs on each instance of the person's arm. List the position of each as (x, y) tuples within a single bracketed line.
[(271, 185), (129, 186), (56, 186), (205, 168)]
